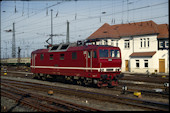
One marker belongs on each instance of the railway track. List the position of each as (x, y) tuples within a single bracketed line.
[(157, 80), (148, 105), (148, 75), (131, 90), (37, 101), (129, 84)]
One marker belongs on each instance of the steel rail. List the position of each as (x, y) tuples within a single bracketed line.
[(32, 99), (70, 106), (148, 92), (23, 101), (106, 97)]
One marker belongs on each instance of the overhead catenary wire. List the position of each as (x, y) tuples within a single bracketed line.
[(126, 10), (34, 14), (82, 19)]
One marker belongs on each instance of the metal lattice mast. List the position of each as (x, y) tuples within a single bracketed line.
[(13, 42), (19, 55), (51, 27)]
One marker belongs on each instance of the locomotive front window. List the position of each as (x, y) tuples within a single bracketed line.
[(115, 53), (103, 53)]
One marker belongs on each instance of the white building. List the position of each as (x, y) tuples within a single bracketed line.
[(144, 45)]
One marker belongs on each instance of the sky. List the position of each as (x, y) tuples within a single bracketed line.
[(33, 20)]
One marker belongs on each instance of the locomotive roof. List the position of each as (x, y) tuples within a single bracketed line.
[(58, 48), (40, 51), (87, 47)]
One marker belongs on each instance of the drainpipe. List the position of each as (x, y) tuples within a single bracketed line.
[(133, 44), (132, 52)]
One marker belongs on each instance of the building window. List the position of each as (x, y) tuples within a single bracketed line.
[(100, 42), (42, 56), (140, 42), (166, 44), (144, 42), (51, 56), (105, 42), (112, 42), (148, 42), (117, 43), (137, 63), (161, 44), (145, 63), (61, 56), (74, 55), (127, 44)]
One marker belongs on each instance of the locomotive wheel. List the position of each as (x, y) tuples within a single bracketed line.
[(39, 77), (85, 82), (35, 76), (44, 77), (79, 82)]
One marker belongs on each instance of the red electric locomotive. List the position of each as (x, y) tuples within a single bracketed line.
[(86, 64)]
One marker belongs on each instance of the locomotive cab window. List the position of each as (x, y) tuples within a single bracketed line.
[(51, 56), (61, 56), (74, 55), (115, 53), (103, 53)]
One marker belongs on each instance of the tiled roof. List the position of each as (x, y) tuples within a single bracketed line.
[(131, 29), (163, 30), (143, 54)]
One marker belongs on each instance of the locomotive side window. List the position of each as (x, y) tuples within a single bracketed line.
[(42, 56), (74, 55), (61, 56), (103, 53), (51, 56), (94, 54), (89, 54)]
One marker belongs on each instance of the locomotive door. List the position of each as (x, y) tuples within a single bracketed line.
[(91, 59), (88, 60), (33, 61)]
